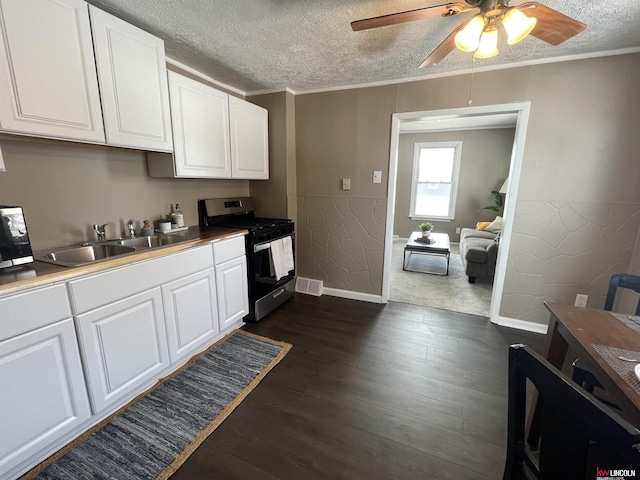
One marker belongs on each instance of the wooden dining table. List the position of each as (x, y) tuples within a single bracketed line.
[(579, 329)]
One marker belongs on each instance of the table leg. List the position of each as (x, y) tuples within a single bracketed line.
[(555, 352)]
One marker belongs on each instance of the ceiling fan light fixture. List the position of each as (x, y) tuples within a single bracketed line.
[(488, 43), (517, 25), (468, 38)]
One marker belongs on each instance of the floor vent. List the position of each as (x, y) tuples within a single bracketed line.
[(308, 285)]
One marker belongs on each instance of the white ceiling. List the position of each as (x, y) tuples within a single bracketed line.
[(304, 45)]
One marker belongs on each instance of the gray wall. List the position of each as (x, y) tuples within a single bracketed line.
[(66, 187), (577, 213), (277, 197), (578, 209), (484, 165)]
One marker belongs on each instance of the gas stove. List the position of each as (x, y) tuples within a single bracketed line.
[(239, 213), (265, 291)]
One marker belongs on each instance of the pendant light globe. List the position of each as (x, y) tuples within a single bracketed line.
[(468, 38), (517, 25)]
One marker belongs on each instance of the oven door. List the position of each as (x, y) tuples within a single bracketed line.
[(264, 279)]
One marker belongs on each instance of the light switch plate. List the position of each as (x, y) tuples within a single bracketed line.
[(377, 176), (346, 184), (581, 300)]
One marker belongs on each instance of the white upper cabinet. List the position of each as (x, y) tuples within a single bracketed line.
[(133, 84), (200, 117), (48, 82), (215, 135), (249, 140)]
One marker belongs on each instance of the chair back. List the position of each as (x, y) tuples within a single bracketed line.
[(579, 435), (622, 280)]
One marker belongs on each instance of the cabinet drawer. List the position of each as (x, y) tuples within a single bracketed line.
[(33, 309), (229, 249), (97, 290)]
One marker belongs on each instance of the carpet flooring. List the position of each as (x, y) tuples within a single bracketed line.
[(152, 437), (451, 292)]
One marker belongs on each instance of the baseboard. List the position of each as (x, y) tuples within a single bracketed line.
[(523, 325), (365, 297)]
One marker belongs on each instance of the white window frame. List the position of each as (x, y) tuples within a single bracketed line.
[(418, 146)]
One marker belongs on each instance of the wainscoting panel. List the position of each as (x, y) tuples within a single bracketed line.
[(340, 240), (564, 248)]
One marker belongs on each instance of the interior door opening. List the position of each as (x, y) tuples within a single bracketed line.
[(486, 117)]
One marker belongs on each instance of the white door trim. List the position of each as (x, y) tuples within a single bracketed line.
[(522, 110)]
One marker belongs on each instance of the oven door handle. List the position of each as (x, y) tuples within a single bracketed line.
[(267, 245), (261, 247)]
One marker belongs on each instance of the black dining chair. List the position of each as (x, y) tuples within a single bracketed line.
[(579, 435), (581, 374)]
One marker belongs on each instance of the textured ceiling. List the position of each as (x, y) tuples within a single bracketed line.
[(257, 45)]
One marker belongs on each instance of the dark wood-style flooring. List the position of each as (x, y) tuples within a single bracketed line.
[(369, 391)]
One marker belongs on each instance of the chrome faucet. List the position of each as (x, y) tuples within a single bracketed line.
[(132, 230), (99, 229)]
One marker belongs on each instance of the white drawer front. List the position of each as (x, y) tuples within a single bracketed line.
[(104, 288), (226, 250), (26, 311)]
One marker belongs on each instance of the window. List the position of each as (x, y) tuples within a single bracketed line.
[(434, 181)]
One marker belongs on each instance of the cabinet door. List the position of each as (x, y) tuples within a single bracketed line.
[(124, 346), (133, 84), (249, 140), (200, 119), (233, 294), (43, 391), (48, 82), (191, 313)]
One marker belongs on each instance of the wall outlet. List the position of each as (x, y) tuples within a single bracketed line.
[(377, 176), (581, 300), (346, 184), (458, 230)]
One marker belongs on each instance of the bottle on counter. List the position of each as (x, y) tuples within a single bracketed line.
[(178, 217), (147, 229)]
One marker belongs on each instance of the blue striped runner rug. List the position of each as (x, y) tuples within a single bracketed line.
[(153, 435)]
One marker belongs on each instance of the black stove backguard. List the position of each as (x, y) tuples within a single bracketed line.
[(265, 292)]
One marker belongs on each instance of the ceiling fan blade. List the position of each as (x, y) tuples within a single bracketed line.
[(408, 16), (442, 50), (552, 26)]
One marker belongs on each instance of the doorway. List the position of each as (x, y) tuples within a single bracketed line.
[(456, 119)]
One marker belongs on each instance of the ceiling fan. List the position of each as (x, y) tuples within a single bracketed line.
[(480, 34)]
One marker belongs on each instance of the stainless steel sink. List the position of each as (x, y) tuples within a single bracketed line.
[(155, 241), (97, 252), (83, 255)]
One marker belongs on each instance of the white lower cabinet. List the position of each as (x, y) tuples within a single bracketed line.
[(233, 295), (43, 392), (124, 346), (191, 314), (133, 325)]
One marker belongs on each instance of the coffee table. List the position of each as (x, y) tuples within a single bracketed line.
[(440, 247)]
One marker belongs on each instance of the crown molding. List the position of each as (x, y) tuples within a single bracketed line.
[(566, 58), (201, 75)]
